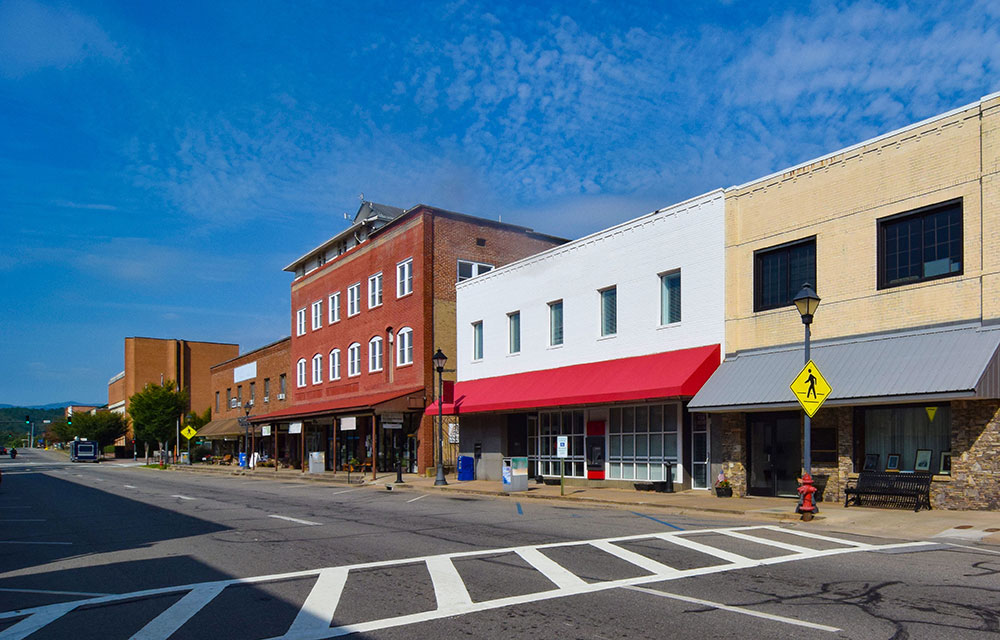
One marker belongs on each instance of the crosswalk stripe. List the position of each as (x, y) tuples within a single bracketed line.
[(635, 558), (36, 621), (449, 589), (168, 622), (817, 536), (549, 568), (321, 604), (766, 541), (707, 549)]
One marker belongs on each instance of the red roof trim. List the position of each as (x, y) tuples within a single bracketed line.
[(338, 405), (671, 374)]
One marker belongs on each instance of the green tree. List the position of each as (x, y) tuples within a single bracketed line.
[(103, 427), (62, 432), (155, 411), (198, 420)]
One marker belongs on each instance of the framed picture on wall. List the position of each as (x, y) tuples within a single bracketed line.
[(892, 462), (871, 462), (945, 469), (922, 462)]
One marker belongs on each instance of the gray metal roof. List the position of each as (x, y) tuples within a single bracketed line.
[(942, 363)]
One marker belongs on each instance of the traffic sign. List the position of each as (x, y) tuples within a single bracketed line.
[(188, 432), (562, 446), (243, 421), (810, 388)]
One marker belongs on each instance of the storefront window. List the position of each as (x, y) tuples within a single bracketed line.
[(642, 441), (901, 431), (542, 443)]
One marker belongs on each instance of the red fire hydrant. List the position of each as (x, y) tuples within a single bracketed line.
[(807, 500)]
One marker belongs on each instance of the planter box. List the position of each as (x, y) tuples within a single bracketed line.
[(724, 492)]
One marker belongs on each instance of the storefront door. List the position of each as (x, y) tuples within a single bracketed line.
[(774, 441)]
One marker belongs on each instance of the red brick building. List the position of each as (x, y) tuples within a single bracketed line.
[(369, 308), (260, 378)]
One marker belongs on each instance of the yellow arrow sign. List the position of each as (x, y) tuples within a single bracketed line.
[(810, 388), (188, 432)]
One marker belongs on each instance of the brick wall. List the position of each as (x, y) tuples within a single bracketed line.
[(272, 361)]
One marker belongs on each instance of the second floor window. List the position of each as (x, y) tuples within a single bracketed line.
[(267, 389), (282, 385), (375, 354), (670, 297), (404, 346), (354, 360), (216, 401), (300, 372), (354, 299), (300, 322), (317, 369), (555, 323), (467, 269), (374, 290), (477, 340), (253, 393), (514, 332), (779, 273), (335, 364), (317, 314), (609, 311), (404, 278), (334, 307), (921, 245)]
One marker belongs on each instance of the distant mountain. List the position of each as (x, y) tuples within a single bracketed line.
[(53, 405)]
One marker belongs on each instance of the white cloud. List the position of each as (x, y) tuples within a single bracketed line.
[(34, 36)]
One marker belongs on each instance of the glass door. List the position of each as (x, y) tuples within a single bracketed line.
[(699, 451), (775, 458)]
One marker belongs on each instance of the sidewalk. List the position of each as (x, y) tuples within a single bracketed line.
[(970, 526)]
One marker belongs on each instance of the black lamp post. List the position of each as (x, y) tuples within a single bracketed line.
[(247, 406), (806, 302), (439, 361)]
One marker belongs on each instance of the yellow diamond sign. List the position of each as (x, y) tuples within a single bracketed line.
[(188, 432), (810, 388)]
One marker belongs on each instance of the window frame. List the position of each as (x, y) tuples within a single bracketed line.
[(375, 290), (477, 341), (605, 333), (404, 347), (562, 323), (664, 318), (317, 315), (334, 365), (300, 373), (317, 369), (475, 269), (376, 353), (354, 360), (921, 213), (404, 278), (514, 333), (793, 289), (300, 322), (354, 299), (333, 310)]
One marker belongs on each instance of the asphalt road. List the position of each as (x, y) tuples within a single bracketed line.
[(104, 551)]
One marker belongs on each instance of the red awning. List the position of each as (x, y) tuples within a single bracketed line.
[(671, 374), (341, 404)]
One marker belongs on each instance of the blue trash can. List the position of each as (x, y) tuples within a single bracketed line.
[(243, 460), (466, 468)]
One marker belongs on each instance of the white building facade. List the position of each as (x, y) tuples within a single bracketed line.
[(601, 340)]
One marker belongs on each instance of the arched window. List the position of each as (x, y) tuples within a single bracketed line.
[(404, 346), (317, 369), (335, 364), (300, 370), (354, 360), (375, 354)]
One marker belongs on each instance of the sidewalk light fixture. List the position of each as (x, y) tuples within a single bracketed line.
[(247, 406), (439, 361), (806, 301)]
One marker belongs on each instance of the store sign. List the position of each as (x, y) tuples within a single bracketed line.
[(265, 430), (349, 424), (392, 425), (392, 417), (295, 427)]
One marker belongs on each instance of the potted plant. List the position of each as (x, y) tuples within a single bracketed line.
[(723, 488)]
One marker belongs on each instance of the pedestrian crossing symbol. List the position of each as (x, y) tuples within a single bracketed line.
[(188, 432), (810, 388)]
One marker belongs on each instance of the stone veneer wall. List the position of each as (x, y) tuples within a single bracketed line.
[(840, 418), (734, 451), (975, 462)]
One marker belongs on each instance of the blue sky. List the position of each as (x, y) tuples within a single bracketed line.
[(160, 162)]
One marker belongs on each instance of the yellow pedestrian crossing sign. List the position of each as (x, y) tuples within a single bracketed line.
[(810, 388), (188, 432)]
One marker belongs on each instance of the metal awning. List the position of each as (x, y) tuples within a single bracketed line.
[(217, 429), (947, 363)]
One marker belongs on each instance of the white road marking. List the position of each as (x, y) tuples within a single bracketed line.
[(972, 535), (321, 603), (817, 536), (737, 560), (744, 611), (177, 495), (337, 493), (55, 593), (965, 546), (418, 497), (765, 541), (33, 623), (637, 559), (128, 486), (168, 622), (555, 572), (30, 542), (449, 589), (295, 520)]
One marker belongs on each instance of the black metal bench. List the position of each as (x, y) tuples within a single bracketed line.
[(892, 489)]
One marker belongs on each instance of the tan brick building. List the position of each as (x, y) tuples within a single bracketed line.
[(900, 236), (154, 360)]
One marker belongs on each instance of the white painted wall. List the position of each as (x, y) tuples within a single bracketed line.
[(631, 256)]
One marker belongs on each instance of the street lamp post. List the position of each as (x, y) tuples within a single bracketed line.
[(439, 361), (247, 406), (806, 301)]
